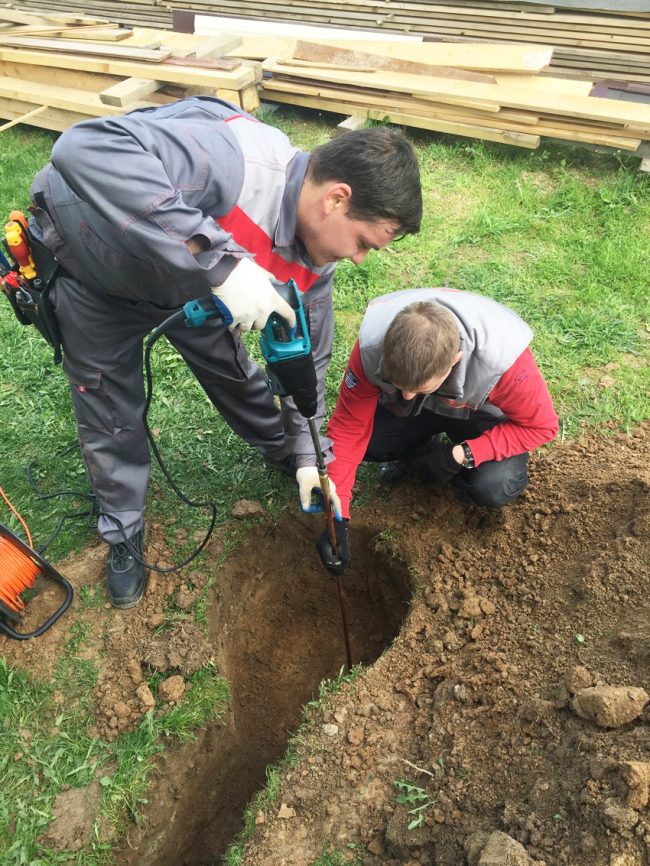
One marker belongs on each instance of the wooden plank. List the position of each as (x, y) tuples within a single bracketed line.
[(54, 119), (280, 84), (117, 52), (480, 57), (545, 84), (25, 117), (441, 89), (310, 51), (58, 97), (129, 90), (208, 24), (436, 121), (108, 34), (396, 102), (86, 82), (451, 127), (173, 74)]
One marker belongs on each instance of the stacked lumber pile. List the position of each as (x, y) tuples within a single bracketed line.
[(598, 43), (58, 69), (590, 42), (476, 90)]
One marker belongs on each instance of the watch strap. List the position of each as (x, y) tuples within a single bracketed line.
[(468, 463)]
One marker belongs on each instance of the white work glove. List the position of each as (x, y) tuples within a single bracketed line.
[(308, 481), (247, 298)]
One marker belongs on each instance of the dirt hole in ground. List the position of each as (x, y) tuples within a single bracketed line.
[(277, 633)]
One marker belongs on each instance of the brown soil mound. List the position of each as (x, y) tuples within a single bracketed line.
[(479, 703)]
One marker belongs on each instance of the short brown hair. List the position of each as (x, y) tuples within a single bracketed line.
[(421, 343), (381, 167)]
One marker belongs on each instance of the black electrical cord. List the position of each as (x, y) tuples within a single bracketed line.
[(94, 512), (76, 494)]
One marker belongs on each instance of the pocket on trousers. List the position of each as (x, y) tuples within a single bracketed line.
[(92, 406)]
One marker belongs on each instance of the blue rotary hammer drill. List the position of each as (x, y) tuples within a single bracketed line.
[(287, 352)]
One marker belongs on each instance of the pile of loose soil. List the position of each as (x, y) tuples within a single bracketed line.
[(513, 696), (510, 692)]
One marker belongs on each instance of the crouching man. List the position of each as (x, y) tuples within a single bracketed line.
[(440, 384)]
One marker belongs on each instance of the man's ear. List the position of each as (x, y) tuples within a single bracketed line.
[(459, 355), (337, 195)]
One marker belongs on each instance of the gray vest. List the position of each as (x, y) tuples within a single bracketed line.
[(491, 338)]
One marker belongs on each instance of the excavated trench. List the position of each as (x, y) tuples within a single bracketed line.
[(276, 628)]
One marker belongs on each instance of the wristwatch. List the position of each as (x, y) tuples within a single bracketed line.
[(468, 462)]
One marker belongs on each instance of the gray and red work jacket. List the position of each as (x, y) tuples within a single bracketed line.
[(496, 378), (123, 194)]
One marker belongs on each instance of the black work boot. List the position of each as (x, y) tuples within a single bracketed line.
[(286, 465), (126, 578), (392, 471)]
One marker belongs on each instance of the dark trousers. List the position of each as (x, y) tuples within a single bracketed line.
[(492, 484), (102, 342)]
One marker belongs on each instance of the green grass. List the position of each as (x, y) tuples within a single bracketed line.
[(558, 234), (46, 748)]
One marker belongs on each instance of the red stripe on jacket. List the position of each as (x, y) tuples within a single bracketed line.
[(521, 394), (251, 237)]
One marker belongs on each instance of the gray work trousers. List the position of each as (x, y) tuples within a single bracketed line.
[(102, 340)]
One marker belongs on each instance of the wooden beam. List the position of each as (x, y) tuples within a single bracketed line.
[(440, 90), (338, 56), (25, 117), (173, 74), (129, 90), (117, 52)]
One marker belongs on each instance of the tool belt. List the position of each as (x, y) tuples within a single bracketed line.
[(30, 301)]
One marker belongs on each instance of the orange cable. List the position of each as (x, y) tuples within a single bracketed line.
[(25, 527), (17, 570)]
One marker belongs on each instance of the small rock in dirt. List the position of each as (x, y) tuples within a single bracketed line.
[(184, 599), (488, 607), (174, 659), (473, 845), (610, 706), (502, 850), (145, 697), (535, 708), (155, 620), (376, 845), (330, 730), (560, 696), (286, 812), (618, 817), (260, 818), (470, 608), (121, 710), (247, 508), (134, 671), (171, 689), (578, 678), (157, 659), (355, 736), (636, 775)]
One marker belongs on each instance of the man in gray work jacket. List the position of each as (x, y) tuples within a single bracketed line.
[(151, 209)]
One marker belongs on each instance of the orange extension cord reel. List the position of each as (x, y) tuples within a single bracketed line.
[(19, 568)]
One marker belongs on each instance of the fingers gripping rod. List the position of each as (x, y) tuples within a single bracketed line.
[(323, 477)]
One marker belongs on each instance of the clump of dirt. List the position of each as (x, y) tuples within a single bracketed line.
[(513, 699)]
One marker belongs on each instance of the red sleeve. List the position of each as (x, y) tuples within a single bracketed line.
[(350, 427), (523, 397)]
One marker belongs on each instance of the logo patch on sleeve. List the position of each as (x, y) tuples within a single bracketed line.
[(350, 379)]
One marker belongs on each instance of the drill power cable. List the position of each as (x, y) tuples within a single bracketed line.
[(153, 337)]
